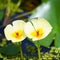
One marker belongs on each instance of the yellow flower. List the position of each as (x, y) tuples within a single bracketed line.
[(15, 32), (37, 29)]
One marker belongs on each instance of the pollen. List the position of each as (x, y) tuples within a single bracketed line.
[(38, 33), (17, 34)]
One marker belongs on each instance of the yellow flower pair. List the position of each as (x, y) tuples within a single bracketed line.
[(35, 29)]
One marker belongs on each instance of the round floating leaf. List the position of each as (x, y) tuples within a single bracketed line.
[(10, 49)]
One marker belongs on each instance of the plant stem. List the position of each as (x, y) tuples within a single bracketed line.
[(16, 7), (21, 53), (22, 15), (39, 56), (7, 14)]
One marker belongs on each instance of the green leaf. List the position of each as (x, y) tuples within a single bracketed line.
[(56, 5), (10, 50), (50, 11), (57, 40), (57, 12), (1, 15)]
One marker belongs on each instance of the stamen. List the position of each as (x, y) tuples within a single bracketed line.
[(18, 34), (38, 33)]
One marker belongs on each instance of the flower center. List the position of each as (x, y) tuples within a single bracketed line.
[(38, 33), (17, 34)]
